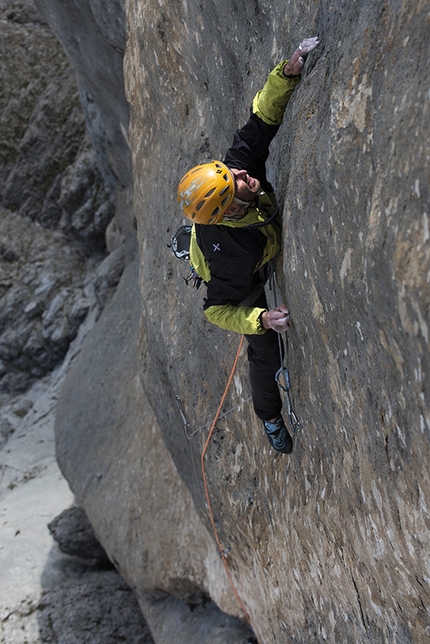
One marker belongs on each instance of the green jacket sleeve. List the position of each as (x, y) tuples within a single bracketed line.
[(226, 261), (243, 319), (270, 103)]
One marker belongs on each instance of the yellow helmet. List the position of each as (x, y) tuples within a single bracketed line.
[(206, 192)]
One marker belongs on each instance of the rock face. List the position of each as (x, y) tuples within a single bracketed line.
[(99, 607), (48, 170), (75, 536), (55, 203), (332, 543), (93, 35), (136, 501), (44, 299)]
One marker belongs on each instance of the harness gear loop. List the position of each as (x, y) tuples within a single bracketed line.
[(194, 278)]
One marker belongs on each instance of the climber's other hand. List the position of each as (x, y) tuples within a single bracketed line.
[(277, 319)]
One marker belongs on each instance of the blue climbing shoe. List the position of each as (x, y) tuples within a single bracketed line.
[(278, 436)]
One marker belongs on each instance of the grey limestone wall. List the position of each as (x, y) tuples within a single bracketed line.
[(329, 544)]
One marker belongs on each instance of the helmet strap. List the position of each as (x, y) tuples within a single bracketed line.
[(234, 217), (240, 202)]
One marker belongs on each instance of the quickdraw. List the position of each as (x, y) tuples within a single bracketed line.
[(187, 427), (294, 421), (283, 371)]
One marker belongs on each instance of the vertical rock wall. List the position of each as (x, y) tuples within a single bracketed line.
[(331, 543), (54, 202), (93, 35)]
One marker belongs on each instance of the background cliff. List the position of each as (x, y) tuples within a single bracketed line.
[(332, 543)]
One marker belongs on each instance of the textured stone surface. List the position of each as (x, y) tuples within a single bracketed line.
[(132, 493), (54, 204), (44, 294), (78, 605), (46, 596), (48, 285), (332, 543), (93, 35), (98, 608), (48, 170), (75, 535)]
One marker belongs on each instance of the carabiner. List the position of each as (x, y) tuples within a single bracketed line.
[(294, 421), (283, 370)]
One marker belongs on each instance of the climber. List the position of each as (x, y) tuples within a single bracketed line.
[(229, 204)]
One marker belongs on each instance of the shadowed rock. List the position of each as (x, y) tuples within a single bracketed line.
[(75, 536)]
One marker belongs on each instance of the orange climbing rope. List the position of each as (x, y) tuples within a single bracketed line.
[(205, 483)]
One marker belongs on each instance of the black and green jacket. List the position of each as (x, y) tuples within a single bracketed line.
[(228, 255)]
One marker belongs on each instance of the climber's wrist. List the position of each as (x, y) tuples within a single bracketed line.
[(263, 320)]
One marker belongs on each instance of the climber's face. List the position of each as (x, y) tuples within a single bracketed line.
[(246, 187)]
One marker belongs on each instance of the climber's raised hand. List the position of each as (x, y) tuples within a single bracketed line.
[(277, 319), (297, 60)]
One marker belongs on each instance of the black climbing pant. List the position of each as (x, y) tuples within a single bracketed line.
[(264, 362)]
